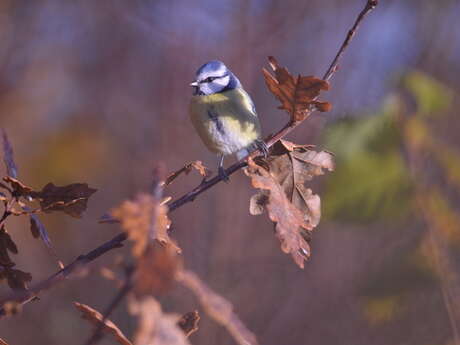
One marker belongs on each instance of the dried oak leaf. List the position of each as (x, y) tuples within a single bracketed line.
[(156, 269), (17, 279), (189, 322), (297, 210), (217, 308), (144, 220), (8, 158), (296, 94), (187, 168), (71, 199), (154, 326), (95, 318)]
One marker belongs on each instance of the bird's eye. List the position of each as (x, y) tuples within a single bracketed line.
[(209, 79)]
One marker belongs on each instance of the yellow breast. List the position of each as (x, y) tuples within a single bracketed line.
[(226, 122)]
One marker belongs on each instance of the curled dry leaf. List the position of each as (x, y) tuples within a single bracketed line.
[(8, 158), (71, 199), (189, 322), (144, 219), (187, 168), (217, 308), (96, 318), (155, 327), (146, 222), (156, 269), (296, 94)]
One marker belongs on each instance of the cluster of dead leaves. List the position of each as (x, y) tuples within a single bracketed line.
[(284, 175), (19, 199)]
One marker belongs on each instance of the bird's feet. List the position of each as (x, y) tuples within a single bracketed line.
[(260, 144), (223, 175)]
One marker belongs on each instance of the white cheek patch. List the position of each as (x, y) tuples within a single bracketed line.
[(222, 81)]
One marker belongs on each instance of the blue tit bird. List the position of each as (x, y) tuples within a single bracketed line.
[(223, 113)]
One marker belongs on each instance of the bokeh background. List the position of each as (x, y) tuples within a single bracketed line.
[(97, 92)]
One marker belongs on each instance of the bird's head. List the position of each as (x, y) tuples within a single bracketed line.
[(214, 77)]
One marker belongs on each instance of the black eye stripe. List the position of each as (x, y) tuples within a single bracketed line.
[(211, 79)]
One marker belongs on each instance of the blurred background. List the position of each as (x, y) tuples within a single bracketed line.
[(97, 92)]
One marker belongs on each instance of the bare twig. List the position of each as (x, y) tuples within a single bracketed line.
[(27, 296), (157, 192), (370, 5), (97, 334)]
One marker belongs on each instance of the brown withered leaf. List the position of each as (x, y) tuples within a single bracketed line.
[(144, 219), (38, 230), (187, 168), (3, 342), (296, 94), (288, 168), (8, 158), (17, 279), (289, 220), (95, 318), (189, 322), (71, 199), (217, 308), (156, 269), (154, 326), (292, 167), (18, 188)]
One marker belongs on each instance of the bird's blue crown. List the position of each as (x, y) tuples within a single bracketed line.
[(214, 77)]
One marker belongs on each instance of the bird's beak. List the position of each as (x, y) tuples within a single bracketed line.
[(194, 84)]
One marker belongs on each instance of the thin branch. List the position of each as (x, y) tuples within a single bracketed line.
[(97, 334), (27, 296), (157, 192), (371, 4)]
